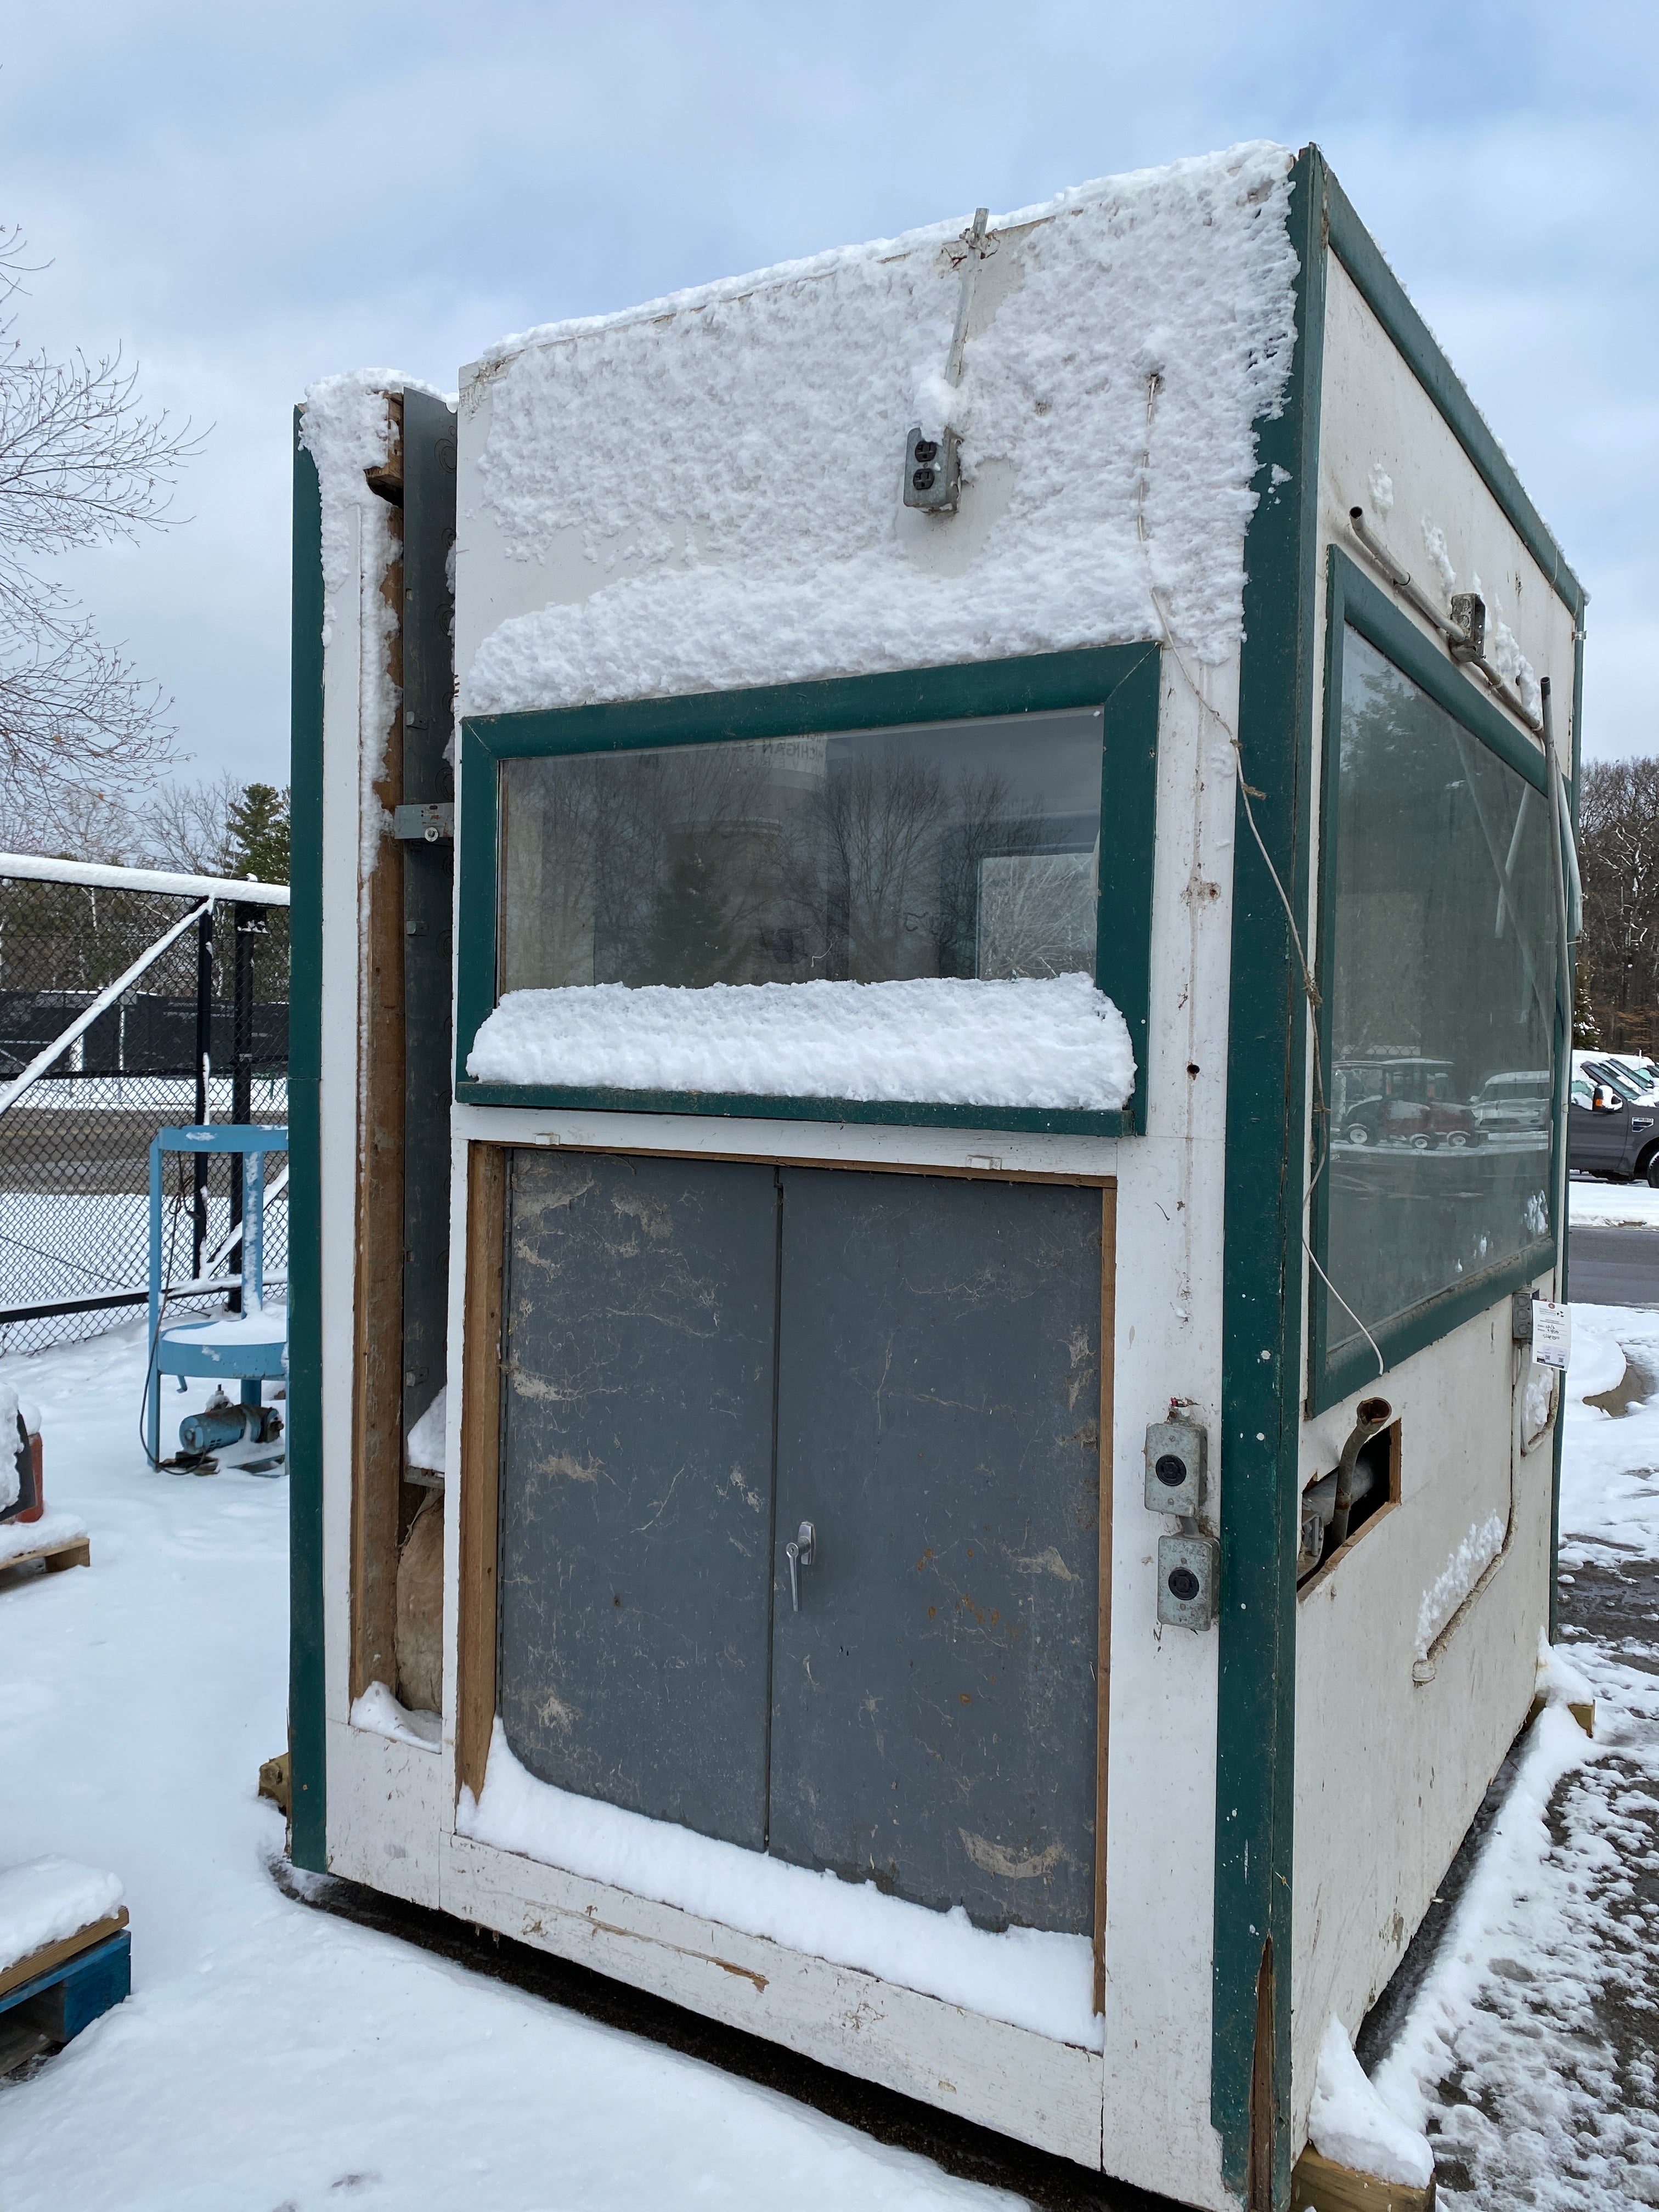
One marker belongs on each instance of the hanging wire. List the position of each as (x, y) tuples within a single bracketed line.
[(1246, 793)]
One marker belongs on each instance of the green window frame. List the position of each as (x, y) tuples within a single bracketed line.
[(1122, 680), (1353, 601)]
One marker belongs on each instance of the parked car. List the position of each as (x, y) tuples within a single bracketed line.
[(1405, 1100), (1613, 1127), (1516, 1099)]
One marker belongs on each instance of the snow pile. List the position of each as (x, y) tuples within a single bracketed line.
[(710, 484), (1528, 2053), (1559, 1681), (1612, 1206), (1033, 1980), (1483, 1542), (426, 1437), (1352, 2123), (20, 1538), (276, 2054), (1609, 1499), (48, 1899), (378, 1710), (1055, 1042)]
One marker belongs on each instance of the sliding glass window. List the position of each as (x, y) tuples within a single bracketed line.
[(1439, 974)]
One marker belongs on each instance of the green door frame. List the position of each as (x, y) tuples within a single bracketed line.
[(307, 1733)]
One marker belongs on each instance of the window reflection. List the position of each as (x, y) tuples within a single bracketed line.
[(1442, 1006), (962, 848)]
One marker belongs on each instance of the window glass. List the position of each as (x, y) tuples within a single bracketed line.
[(1442, 992), (956, 848)]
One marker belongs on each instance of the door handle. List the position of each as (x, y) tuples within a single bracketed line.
[(800, 1554)]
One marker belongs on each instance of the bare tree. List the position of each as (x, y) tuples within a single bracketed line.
[(1619, 857), (187, 826), (81, 464)]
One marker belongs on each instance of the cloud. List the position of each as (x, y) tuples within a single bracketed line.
[(249, 204)]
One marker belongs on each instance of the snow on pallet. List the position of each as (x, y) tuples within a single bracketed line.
[(65, 1956), (59, 1538)]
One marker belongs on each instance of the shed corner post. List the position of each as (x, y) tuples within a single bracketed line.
[(1262, 1322), (308, 1741)]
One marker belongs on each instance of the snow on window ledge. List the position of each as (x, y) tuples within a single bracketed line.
[(1052, 1042), (1031, 1979)]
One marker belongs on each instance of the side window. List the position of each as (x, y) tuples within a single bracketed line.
[(1439, 966)]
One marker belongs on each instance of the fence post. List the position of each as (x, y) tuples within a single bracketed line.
[(249, 923), (204, 1069)]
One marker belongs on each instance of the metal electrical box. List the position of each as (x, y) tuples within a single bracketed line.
[(1176, 1453), (931, 480), (1189, 1569)]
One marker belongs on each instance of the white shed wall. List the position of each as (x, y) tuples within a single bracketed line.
[(1389, 1773)]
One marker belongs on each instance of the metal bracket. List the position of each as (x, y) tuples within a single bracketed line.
[(429, 825)]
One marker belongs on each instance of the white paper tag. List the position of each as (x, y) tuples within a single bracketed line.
[(1551, 1333)]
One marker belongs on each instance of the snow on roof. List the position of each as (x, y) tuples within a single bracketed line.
[(704, 492)]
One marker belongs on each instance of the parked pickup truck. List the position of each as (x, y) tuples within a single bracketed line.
[(1612, 1124)]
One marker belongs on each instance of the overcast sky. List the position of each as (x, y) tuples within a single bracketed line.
[(248, 198)]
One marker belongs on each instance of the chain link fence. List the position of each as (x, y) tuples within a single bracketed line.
[(202, 1033)]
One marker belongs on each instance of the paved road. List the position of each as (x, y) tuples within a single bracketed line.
[(1614, 1267)]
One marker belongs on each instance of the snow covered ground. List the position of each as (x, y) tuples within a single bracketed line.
[(1531, 2052), (273, 2058), (1612, 1205), (270, 2056)]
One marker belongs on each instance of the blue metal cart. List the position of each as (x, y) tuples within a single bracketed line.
[(207, 1347)]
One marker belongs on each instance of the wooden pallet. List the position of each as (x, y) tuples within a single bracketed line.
[(72, 1552), (1320, 2185), (47, 1999)]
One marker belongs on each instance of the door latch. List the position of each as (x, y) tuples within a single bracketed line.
[(800, 1554)]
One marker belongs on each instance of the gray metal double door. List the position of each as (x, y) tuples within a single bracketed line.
[(701, 1356)]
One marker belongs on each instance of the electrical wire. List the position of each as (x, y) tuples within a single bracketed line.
[(1309, 985)]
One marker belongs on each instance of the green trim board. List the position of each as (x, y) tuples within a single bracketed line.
[(1261, 1305), (308, 1743), (1383, 294), (1124, 680), (918, 1115), (1352, 600)]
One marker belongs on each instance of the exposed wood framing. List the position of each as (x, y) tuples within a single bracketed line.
[(377, 1397), (1320, 2185), (1103, 1655), (481, 1431), (613, 1148), (1264, 2100)]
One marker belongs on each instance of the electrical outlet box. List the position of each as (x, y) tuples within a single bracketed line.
[(932, 481), (1188, 1577), (1175, 1467), (1468, 611)]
